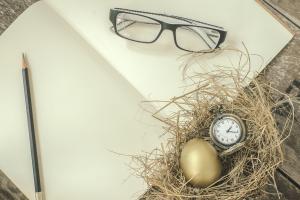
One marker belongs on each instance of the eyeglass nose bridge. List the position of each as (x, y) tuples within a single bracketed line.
[(167, 26)]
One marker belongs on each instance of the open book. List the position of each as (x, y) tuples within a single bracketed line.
[(88, 84)]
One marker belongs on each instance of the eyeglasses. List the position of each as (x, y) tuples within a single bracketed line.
[(144, 27)]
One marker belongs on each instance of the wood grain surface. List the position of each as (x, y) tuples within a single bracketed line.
[(281, 72)]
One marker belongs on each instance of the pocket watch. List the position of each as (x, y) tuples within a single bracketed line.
[(227, 130)]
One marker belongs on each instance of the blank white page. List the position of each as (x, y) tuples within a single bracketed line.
[(154, 68), (84, 110)]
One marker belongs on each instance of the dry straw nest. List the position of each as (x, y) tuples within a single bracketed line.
[(247, 168)]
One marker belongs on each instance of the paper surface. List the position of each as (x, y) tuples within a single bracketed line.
[(84, 110), (154, 69)]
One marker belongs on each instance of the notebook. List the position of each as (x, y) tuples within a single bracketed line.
[(88, 85)]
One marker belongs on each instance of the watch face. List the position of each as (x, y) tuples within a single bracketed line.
[(227, 130)]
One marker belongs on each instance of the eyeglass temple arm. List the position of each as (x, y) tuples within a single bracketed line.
[(132, 22)]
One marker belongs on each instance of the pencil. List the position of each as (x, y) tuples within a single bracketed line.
[(32, 138)]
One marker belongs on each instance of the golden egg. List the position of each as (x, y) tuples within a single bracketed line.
[(200, 163)]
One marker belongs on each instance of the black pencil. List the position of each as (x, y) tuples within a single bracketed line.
[(32, 138)]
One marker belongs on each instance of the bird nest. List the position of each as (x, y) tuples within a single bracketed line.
[(247, 167)]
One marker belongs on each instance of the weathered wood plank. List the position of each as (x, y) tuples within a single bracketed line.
[(292, 7), (8, 191), (290, 191), (10, 9), (281, 72)]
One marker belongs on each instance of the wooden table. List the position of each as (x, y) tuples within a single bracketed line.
[(281, 72)]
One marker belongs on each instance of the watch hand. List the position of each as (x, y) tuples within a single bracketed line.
[(232, 132), (229, 129)]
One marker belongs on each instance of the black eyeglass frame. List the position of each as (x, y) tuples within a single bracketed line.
[(167, 26)]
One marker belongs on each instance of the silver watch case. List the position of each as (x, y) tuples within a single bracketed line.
[(236, 119)]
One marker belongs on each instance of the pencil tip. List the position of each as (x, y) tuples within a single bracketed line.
[(24, 61)]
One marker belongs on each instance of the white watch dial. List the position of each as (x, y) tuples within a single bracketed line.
[(227, 131)]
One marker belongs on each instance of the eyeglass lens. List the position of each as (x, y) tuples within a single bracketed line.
[(138, 28), (193, 38)]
